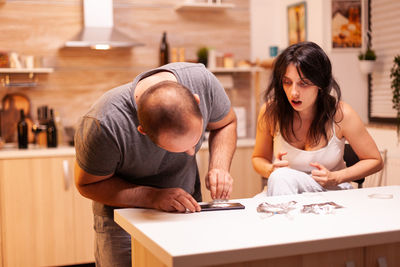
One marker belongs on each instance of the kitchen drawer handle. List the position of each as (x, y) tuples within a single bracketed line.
[(67, 174), (382, 262)]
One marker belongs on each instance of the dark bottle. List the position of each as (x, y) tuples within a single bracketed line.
[(164, 50), (51, 131), (22, 128)]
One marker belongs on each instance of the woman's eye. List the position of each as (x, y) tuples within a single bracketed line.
[(286, 82), (304, 84)]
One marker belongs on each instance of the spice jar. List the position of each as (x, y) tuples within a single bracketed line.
[(228, 60)]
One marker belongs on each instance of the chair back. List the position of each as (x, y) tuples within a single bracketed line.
[(378, 178), (351, 158)]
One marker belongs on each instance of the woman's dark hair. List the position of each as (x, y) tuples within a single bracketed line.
[(313, 64)]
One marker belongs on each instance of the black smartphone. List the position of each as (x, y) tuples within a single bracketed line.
[(210, 206)]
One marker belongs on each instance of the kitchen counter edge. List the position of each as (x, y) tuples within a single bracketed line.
[(70, 151), (37, 153)]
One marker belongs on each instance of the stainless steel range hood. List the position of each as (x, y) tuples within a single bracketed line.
[(99, 31)]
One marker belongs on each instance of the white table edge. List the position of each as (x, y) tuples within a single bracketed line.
[(286, 250), (256, 253), (149, 244)]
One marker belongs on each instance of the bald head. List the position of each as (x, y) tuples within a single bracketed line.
[(167, 107)]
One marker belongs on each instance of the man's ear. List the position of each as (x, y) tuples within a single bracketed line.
[(196, 96), (141, 130)]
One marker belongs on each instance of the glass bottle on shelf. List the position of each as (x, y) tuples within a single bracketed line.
[(22, 128), (51, 131), (40, 126), (59, 127), (164, 50)]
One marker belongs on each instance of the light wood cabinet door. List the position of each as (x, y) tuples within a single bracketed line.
[(246, 182), (39, 210), (83, 230), (347, 257), (386, 255)]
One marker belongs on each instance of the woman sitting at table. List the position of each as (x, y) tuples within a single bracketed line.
[(303, 125)]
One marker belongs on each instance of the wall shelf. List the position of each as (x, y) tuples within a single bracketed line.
[(203, 7), (24, 70), (32, 82)]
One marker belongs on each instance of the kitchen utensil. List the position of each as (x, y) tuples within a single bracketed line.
[(12, 104)]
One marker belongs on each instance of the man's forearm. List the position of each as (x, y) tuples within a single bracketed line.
[(222, 145), (119, 193)]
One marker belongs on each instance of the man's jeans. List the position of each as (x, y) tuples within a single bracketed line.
[(112, 243)]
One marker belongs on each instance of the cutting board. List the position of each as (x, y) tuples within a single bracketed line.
[(10, 115)]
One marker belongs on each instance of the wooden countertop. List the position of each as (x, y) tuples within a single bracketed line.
[(14, 153), (245, 142), (11, 152)]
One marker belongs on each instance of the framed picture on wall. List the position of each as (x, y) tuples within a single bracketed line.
[(297, 26), (346, 24)]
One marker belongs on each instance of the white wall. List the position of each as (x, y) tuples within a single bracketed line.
[(346, 70), (269, 27), (264, 27), (387, 139)]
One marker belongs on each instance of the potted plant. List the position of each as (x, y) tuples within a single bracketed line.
[(202, 55), (367, 61), (395, 85)]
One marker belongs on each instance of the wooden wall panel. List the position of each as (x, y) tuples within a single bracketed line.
[(80, 76)]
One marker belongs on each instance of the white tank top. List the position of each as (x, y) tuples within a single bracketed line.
[(330, 156)]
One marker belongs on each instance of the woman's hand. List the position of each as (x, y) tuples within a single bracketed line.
[(279, 162), (323, 176)]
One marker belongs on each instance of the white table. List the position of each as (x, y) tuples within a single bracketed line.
[(228, 237)]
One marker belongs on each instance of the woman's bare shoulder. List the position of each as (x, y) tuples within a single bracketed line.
[(345, 112), (346, 118), (265, 123)]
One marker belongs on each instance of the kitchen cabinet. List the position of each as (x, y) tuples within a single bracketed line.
[(344, 257), (370, 256), (44, 220), (348, 258), (246, 182), (382, 255), (243, 87)]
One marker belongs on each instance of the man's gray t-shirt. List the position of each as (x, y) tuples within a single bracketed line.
[(107, 140)]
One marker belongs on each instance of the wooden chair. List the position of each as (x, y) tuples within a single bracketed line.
[(351, 158), (378, 178)]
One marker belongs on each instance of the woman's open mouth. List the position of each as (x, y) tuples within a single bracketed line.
[(296, 102)]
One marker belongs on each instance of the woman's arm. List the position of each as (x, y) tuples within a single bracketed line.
[(353, 129), (263, 148)]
